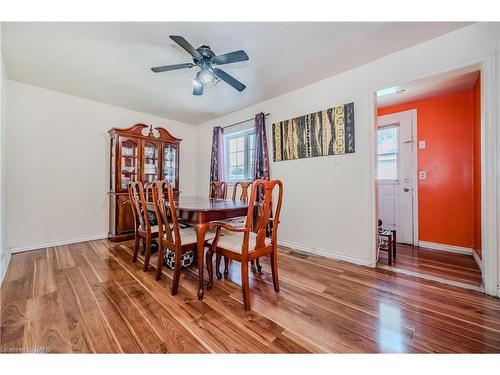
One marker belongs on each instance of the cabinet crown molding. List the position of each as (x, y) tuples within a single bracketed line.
[(137, 130)]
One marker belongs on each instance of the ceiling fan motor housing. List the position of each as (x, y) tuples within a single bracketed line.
[(206, 52)]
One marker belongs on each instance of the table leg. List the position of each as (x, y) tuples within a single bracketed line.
[(200, 230)]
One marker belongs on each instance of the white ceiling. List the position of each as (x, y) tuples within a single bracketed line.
[(442, 84), (110, 62)]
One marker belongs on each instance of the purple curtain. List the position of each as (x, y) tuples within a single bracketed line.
[(217, 162), (261, 158)]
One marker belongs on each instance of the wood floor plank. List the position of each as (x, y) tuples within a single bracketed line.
[(21, 265), (94, 323), (64, 259), (145, 335), (175, 337), (90, 297), (14, 297), (11, 338), (283, 344), (43, 278), (45, 326), (79, 337)]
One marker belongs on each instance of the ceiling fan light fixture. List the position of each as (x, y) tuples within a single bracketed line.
[(206, 77), (197, 82)]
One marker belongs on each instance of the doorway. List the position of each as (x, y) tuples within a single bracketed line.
[(396, 134), (429, 176)]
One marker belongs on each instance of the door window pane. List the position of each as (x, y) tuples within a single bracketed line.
[(387, 147)]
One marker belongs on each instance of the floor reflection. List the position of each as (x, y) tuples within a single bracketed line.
[(391, 333)]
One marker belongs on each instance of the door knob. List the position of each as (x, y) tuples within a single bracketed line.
[(406, 190)]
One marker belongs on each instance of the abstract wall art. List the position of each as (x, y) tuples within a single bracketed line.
[(328, 132)]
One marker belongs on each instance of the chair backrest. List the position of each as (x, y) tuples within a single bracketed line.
[(245, 186), (139, 207), (168, 223), (148, 192), (263, 207), (218, 190)]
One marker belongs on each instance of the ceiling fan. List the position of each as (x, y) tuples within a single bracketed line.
[(208, 62)]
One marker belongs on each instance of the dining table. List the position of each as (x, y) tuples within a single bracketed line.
[(199, 212)]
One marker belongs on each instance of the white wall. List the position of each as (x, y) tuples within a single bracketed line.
[(4, 252), (329, 205), (58, 164), (497, 98)]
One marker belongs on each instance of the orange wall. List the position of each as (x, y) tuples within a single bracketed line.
[(446, 197), (476, 99)]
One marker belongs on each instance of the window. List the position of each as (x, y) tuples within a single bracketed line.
[(388, 140), (239, 148)]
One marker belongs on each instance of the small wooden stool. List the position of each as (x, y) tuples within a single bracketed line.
[(390, 236)]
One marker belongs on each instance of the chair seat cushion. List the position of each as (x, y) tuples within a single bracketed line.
[(154, 229), (238, 222), (233, 241), (188, 235)]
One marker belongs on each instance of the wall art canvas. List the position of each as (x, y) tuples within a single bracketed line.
[(328, 132)]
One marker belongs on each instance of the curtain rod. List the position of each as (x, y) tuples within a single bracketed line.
[(241, 122)]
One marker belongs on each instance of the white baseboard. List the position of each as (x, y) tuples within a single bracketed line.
[(444, 247), (43, 245), (478, 260), (4, 265), (327, 253)]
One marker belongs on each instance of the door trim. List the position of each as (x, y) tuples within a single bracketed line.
[(413, 117)]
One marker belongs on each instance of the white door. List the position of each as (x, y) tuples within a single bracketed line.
[(396, 178)]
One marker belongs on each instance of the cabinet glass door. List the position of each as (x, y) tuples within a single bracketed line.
[(151, 160), (128, 162), (170, 164)]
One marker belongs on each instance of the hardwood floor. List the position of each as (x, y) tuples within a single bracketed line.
[(457, 268), (89, 297)]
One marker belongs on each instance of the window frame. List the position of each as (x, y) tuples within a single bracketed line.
[(247, 170), (385, 181)]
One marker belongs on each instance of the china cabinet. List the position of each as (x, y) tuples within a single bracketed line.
[(138, 153)]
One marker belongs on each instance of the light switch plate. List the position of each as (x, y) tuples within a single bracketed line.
[(421, 145), (422, 175)]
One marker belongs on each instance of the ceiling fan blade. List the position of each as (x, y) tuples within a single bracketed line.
[(230, 57), (188, 47), (229, 79), (167, 68)]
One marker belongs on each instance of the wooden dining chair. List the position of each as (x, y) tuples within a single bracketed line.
[(250, 242), (142, 223), (171, 236), (218, 190), (245, 187), (243, 196)]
